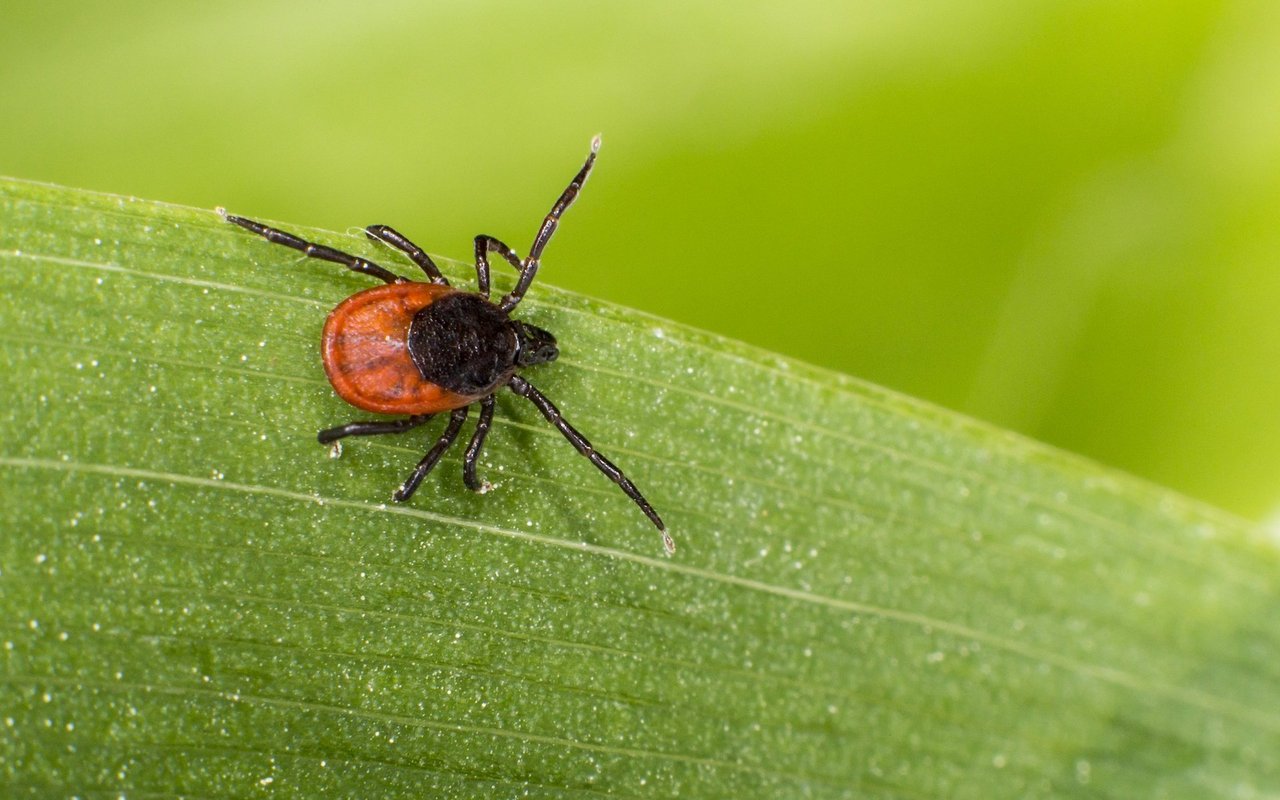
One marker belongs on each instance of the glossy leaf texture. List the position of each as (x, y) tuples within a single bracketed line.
[(871, 597)]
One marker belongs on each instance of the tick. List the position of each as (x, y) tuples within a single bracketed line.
[(421, 348)]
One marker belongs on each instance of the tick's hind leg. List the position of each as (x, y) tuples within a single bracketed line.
[(389, 235), (313, 250), (331, 435), (428, 461)]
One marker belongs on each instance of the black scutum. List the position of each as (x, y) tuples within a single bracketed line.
[(463, 343)]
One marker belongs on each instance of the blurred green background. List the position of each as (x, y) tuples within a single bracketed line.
[(1057, 216)]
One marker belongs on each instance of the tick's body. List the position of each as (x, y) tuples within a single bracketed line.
[(422, 348), (418, 348), (365, 350)]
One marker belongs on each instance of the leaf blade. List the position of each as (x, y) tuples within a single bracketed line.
[(871, 596)]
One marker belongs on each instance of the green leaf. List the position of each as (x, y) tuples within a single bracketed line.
[(871, 597)]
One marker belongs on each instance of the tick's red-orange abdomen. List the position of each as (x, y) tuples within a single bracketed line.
[(366, 356)]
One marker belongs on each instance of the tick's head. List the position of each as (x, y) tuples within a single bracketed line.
[(533, 345)]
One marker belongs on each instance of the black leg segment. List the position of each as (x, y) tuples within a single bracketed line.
[(485, 245), (525, 389), (353, 263), (330, 435), (428, 461), (473, 450), (389, 235), (530, 266)]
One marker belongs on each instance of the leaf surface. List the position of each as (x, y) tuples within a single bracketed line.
[(871, 597)]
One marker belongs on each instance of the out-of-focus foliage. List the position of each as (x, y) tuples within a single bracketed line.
[(1058, 216)]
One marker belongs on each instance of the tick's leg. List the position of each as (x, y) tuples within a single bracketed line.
[(389, 235), (428, 461), (330, 435), (473, 449), (485, 245), (530, 266), (525, 389), (354, 263)]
